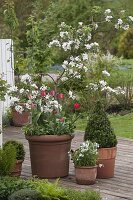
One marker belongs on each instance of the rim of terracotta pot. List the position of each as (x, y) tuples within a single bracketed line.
[(19, 161), (49, 138), (86, 167)]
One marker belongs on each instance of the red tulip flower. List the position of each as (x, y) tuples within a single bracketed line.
[(43, 93), (77, 106), (62, 120), (61, 96), (52, 92)]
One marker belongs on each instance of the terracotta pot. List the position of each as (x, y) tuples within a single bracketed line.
[(49, 155), (106, 162), (16, 171), (20, 119), (86, 175)]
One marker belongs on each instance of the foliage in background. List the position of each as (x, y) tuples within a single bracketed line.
[(7, 159), (125, 47), (99, 129)]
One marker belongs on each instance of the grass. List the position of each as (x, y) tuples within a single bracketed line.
[(123, 125)]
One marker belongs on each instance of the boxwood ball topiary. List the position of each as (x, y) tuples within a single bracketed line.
[(26, 194), (99, 128)]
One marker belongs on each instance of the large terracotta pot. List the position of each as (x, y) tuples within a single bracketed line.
[(86, 175), (16, 171), (20, 119), (49, 155), (106, 162)]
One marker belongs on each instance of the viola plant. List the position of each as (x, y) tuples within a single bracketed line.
[(86, 155)]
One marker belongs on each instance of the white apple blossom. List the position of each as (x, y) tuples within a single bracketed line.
[(43, 87), (19, 109), (95, 26), (122, 11), (14, 100), (71, 95), (89, 36), (88, 46), (106, 73), (21, 90), (120, 21), (55, 43), (34, 85), (85, 56), (13, 89), (107, 11), (103, 83), (28, 106), (130, 18), (26, 78), (80, 23), (125, 27), (62, 34), (108, 18), (119, 90)]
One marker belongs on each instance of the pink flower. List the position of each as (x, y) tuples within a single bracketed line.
[(62, 119), (61, 96), (52, 92), (77, 106), (43, 93)]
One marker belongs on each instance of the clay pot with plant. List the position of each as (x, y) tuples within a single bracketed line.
[(84, 160), (20, 155), (99, 130), (20, 100)]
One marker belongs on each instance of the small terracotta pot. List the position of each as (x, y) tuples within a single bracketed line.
[(20, 119), (49, 155), (106, 162), (86, 175), (16, 171)]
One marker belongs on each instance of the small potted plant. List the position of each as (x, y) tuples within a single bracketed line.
[(20, 155), (20, 97), (99, 130), (85, 159)]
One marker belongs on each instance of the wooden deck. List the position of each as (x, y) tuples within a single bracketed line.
[(118, 188)]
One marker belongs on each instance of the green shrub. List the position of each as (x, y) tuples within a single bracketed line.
[(85, 195), (25, 194), (20, 152), (49, 191), (9, 185), (99, 128), (7, 159), (125, 47)]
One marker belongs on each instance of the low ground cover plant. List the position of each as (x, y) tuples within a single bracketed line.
[(17, 188)]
